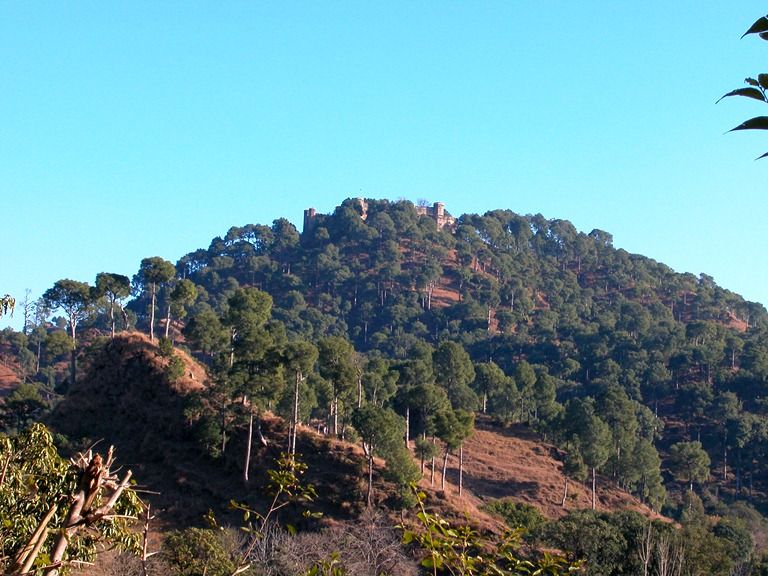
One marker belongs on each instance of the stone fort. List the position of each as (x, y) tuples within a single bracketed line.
[(437, 212)]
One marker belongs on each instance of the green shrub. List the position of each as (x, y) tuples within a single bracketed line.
[(165, 347), (175, 369), (197, 552), (519, 515)]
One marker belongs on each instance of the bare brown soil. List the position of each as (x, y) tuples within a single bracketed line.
[(736, 323), (8, 380), (513, 463), (444, 294)]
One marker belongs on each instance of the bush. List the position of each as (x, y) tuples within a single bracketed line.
[(175, 369), (197, 551), (165, 347), (519, 515)]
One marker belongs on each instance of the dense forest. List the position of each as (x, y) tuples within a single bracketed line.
[(401, 329)]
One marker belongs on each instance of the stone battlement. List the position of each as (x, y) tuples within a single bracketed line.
[(437, 212)]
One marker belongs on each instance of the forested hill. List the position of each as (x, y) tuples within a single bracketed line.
[(503, 285), (386, 320), (604, 333)]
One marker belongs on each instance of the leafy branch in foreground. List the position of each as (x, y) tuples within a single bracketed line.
[(462, 551), (54, 514), (756, 88), (7, 304), (286, 487)]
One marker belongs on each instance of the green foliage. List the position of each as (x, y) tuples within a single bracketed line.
[(7, 305), (574, 466), (601, 540), (402, 470), (205, 332), (197, 552), (29, 461), (57, 343), (461, 550), (382, 432), (153, 273), (37, 484), (454, 372), (519, 515), (335, 364), (182, 296), (756, 88), (73, 298), (705, 552), (165, 347), (327, 567), (22, 407), (425, 449), (285, 486), (489, 381), (689, 462), (175, 368), (642, 473), (115, 288), (615, 337), (735, 532)]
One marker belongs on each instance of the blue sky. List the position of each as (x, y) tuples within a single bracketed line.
[(140, 129)]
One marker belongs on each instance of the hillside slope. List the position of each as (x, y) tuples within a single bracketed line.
[(125, 398), (513, 463)]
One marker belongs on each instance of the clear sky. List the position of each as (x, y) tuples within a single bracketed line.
[(139, 129)]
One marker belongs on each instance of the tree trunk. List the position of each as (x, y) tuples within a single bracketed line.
[(24, 558), (335, 415), (112, 317), (295, 412), (565, 492), (290, 436), (370, 479), (125, 317), (461, 469), (152, 315), (248, 449), (168, 322), (145, 553), (73, 356), (359, 392), (223, 433), (73, 367), (407, 425), (445, 466), (432, 471), (645, 548), (89, 485), (594, 498)]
